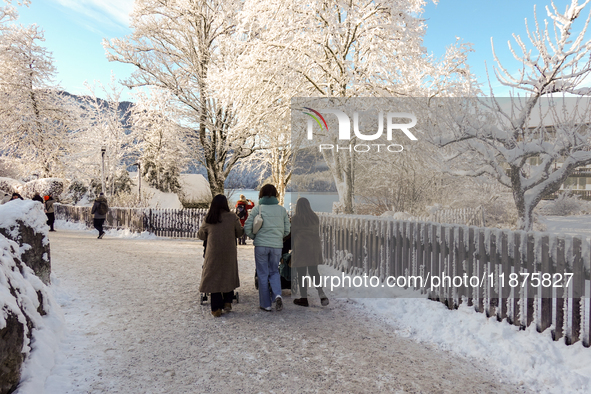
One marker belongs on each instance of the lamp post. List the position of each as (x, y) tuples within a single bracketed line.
[(103, 150), (139, 180)]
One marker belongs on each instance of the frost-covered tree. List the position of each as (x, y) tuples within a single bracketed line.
[(531, 143), (104, 125), (334, 48), (177, 45), (159, 140), (34, 115)]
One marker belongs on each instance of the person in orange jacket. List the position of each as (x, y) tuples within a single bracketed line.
[(242, 207)]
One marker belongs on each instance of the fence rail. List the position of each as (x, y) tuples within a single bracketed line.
[(385, 247), (162, 222)]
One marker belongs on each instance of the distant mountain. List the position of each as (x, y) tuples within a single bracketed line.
[(124, 107)]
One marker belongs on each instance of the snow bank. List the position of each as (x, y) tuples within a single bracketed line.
[(27, 211), (194, 187), (527, 357), (163, 200), (24, 296), (159, 199)]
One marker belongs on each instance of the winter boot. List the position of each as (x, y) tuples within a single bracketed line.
[(216, 313), (227, 307), (301, 301), (278, 303), (323, 297)]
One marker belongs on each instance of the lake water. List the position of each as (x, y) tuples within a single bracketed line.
[(320, 202)]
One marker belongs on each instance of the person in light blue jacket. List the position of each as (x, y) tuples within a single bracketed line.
[(268, 242)]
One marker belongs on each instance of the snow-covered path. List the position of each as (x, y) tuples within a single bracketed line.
[(135, 325)]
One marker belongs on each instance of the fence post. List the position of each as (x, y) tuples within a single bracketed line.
[(451, 253), (420, 249), (492, 298), (562, 292), (577, 286), (546, 301), (505, 270), (460, 263), (479, 293), (437, 257), (531, 245), (427, 228)]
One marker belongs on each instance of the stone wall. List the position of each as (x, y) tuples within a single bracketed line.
[(25, 270), (34, 247)]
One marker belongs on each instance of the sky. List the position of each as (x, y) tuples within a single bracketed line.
[(74, 30)]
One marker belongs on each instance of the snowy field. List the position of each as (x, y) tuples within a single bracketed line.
[(134, 324)]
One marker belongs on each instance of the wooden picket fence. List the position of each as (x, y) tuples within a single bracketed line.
[(384, 247), (182, 223), (467, 216)]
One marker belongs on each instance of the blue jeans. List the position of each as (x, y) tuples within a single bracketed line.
[(267, 264)]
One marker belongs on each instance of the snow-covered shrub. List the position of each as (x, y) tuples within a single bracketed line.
[(565, 204), (165, 179), (45, 187), (76, 191), (121, 184), (131, 200), (9, 185), (501, 212)]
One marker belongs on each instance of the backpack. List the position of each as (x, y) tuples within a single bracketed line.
[(103, 208), (241, 211)]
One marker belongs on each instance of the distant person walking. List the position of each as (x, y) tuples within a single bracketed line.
[(100, 208), (16, 196), (220, 228), (49, 211), (306, 252), (37, 197), (268, 242), (242, 207)]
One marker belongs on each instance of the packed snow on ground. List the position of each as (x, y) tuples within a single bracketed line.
[(571, 225), (113, 233), (528, 358), (135, 325)]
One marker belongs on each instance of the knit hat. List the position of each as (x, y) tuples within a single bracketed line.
[(242, 198), (46, 198)]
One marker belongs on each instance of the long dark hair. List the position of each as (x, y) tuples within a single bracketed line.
[(304, 215), (268, 190), (219, 205)]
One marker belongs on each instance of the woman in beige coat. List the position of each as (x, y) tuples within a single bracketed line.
[(306, 252), (220, 268)]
